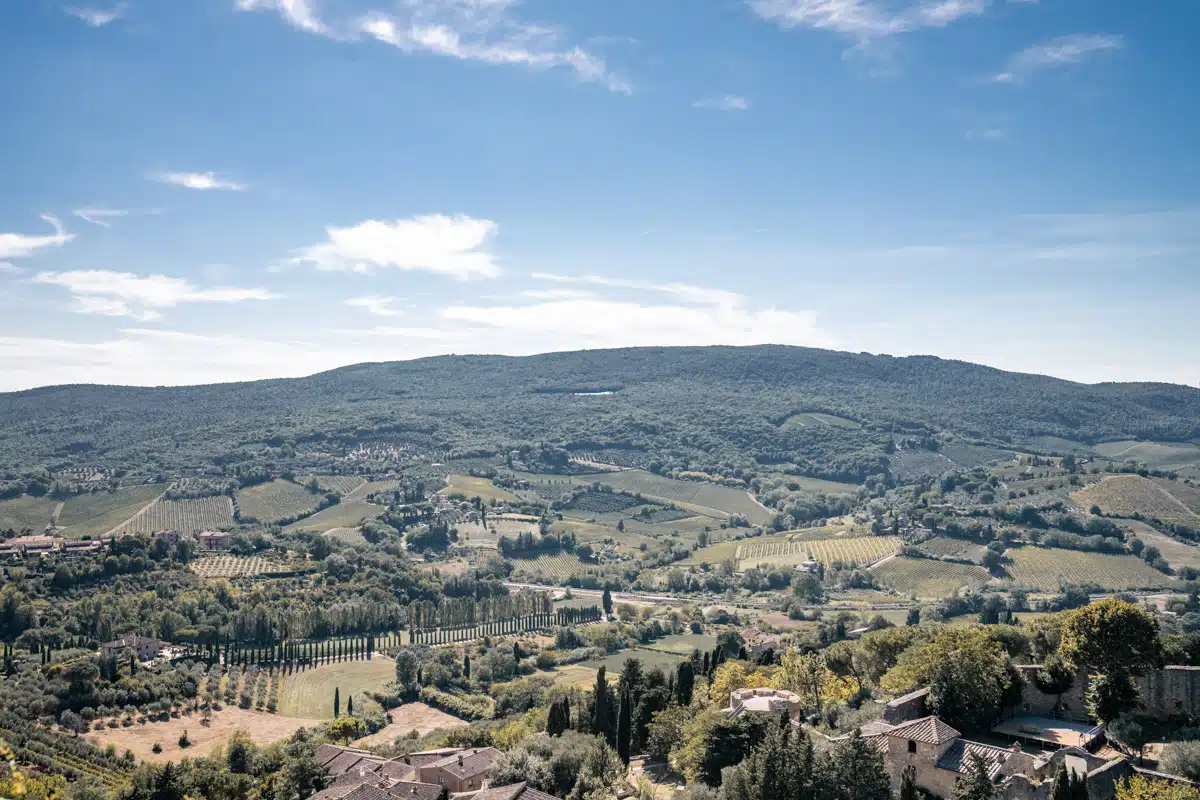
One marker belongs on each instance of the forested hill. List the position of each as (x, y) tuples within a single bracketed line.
[(716, 400)]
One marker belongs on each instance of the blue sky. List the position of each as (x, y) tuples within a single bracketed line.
[(213, 190)]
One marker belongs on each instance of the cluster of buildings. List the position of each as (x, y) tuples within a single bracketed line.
[(37, 546), (22, 547), (460, 773), (1055, 728)]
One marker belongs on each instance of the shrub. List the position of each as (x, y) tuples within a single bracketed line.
[(157, 748), (184, 741)]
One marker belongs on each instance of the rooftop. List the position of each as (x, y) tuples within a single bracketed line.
[(929, 730)]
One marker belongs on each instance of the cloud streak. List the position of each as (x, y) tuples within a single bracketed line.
[(124, 294), (375, 305), (97, 17), (724, 102), (199, 181), (101, 216), (865, 20), (17, 245), (485, 31), (452, 246), (1056, 53)]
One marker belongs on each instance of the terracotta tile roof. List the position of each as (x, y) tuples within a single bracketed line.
[(414, 790), (427, 757), (348, 761), (958, 757), (398, 770), (514, 791), (328, 752), (468, 763), (929, 730)]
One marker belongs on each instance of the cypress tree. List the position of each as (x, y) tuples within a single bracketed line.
[(602, 716), (467, 666), (337, 701), (350, 706), (685, 682), (624, 725)]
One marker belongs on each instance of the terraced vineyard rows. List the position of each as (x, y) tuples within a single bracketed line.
[(860, 551), (927, 578), (275, 501), (185, 516), (1049, 569), (54, 752)]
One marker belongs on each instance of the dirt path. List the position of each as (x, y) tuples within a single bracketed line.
[(139, 513), (54, 517)]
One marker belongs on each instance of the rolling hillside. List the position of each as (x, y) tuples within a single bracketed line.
[(696, 400)]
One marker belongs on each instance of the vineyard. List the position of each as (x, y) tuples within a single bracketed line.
[(185, 516), (346, 514), (857, 551), (367, 488), (1185, 493), (704, 498), (556, 567), (1049, 569), (275, 501), (339, 484), (241, 567), (72, 757), (927, 578), (602, 502), (1138, 497), (27, 513)]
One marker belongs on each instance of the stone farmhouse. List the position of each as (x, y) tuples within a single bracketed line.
[(461, 773), (146, 648)]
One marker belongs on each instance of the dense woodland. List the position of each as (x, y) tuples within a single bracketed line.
[(720, 410)]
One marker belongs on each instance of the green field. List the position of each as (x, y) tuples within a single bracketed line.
[(927, 578), (97, 513), (471, 487), (1049, 569), (25, 512), (649, 658), (276, 500), (185, 516), (370, 487), (308, 694), (817, 419), (683, 643), (1156, 455), (703, 498), (1135, 496), (346, 514), (860, 551), (955, 548)]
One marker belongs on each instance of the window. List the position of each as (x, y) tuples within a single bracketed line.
[(912, 746), (442, 780)]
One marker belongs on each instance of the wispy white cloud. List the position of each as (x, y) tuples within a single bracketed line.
[(9, 269), (98, 17), (724, 102), (298, 13), (124, 294), (200, 181), (865, 20), (487, 31), (18, 245), (1060, 52), (681, 291), (378, 306), (453, 246), (101, 216)]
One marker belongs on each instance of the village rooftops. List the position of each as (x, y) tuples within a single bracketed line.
[(514, 791), (468, 763), (929, 730)]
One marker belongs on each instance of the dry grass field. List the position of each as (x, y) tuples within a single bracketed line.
[(27, 513), (704, 498), (1178, 553), (408, 718), (470, 488), (261, 728)]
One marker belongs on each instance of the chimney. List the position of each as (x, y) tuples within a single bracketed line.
[(460, 760)]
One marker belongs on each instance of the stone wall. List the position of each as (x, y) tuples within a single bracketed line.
[(1171, 691), (906, 708)]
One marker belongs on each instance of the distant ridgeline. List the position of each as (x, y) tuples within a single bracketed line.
[(710, 409)]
